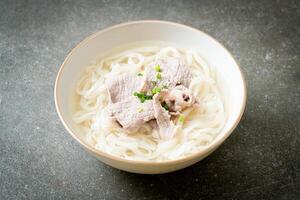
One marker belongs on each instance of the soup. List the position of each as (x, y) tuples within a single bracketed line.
[(154, 102)]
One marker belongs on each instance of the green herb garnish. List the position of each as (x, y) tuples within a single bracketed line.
[(158, 76), (165, 106), (165, 87), (157, 68), (140, 74), (181, 119), (154, 82), (156, 90), (142, 97)]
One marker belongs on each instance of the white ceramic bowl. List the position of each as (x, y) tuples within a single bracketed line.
[(233, 84)]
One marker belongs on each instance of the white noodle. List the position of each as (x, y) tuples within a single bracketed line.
[(202, 124)]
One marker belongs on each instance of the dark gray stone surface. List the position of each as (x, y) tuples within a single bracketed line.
[(38, 158)]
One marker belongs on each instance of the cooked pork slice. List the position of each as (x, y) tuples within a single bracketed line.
[(123, 86), (167, 129), (131, 113), (168, 73), (178, 99), (177, 72), (161, 92)]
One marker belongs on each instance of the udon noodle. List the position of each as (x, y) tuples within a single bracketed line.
[(201, 125)]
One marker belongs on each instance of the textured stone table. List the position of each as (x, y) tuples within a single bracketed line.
[(40, 160)]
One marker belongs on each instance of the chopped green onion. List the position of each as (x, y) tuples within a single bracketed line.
[(165, 87), (154, 82), (181, 119), (165, 105), (158, 76), (140, 74), (157, 68), (142, 97), (156, 90)]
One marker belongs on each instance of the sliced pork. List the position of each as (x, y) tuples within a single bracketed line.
[(160, 92), (131, 113), (123, 86), (178, 99), (167, 129), (171, 71)]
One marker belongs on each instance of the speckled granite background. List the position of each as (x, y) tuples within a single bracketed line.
[(38, 158)]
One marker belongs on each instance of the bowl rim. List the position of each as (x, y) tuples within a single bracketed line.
[(206, 151)]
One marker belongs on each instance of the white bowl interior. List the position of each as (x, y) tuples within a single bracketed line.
[(230, 80)]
